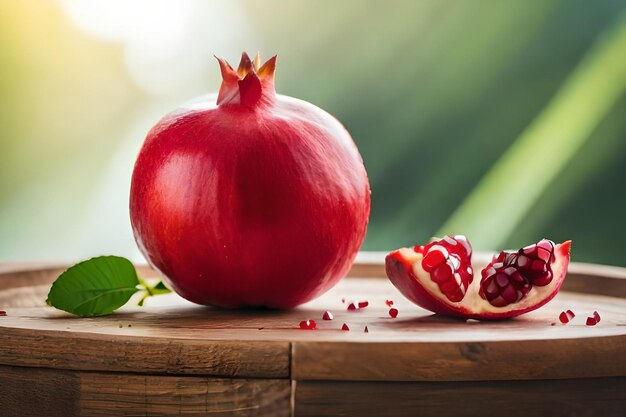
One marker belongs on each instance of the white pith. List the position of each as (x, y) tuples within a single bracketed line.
[(472, 299)]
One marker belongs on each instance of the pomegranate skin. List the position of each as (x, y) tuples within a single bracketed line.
[(240, 205)]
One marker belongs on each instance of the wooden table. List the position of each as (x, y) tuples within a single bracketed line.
[(175, 358)]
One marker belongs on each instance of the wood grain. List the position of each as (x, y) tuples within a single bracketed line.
[(469, 361), (55, 393), (602, 397), (94, 352)]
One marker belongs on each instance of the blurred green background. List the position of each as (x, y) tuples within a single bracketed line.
[(502, 119)]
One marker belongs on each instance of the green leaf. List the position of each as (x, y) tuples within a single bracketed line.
[(94, 287)]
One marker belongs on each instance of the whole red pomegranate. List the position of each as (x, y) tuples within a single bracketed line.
[(249, 198)]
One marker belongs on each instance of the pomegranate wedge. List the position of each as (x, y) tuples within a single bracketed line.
[(440, 277)]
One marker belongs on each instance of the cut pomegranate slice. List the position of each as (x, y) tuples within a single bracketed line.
[(393, 312), (439, 277)]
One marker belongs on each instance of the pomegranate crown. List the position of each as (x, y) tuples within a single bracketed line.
[(252, 83)]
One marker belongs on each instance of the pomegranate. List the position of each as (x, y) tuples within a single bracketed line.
[(248, 198), (439, 277)]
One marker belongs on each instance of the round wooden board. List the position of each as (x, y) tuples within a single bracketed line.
[(171, 337)]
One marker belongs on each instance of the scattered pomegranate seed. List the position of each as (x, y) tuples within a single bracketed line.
[(308, 325), (566, 316), (327, 316), (3, 313), (345, 327), (357, 305), (596, 316), (393, 312), (366, 330), (591, 321), (343, 300), (389, 303)]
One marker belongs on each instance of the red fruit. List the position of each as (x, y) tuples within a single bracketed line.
[(439, 278), (393, 312), (249, 198), (345, 327), (596, 316), (327, 315), (366, 330), (363, 304), (3, 313), (308, 325), (389, 303), (591, 321), (566, 316)]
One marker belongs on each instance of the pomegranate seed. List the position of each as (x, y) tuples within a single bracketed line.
[(393, 313), (3, 313), (447, 262), (596, 316), (327, 315), (357, 305), (591, 321), (389, 303), (566, 316), (343, 300), (308, 325), (366, 330), (345, 327)]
